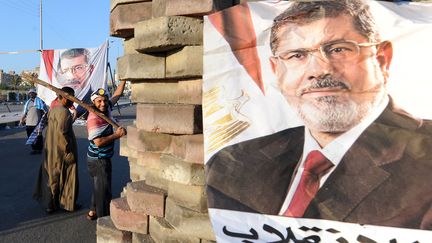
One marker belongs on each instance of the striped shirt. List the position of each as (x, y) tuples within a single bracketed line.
[(98, 127)]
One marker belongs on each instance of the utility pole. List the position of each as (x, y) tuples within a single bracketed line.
[(40, 23)]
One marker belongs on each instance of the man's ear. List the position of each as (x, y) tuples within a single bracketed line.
[(273, 63), (384, 56)]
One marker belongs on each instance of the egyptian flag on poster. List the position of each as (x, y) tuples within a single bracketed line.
[(83, 69)]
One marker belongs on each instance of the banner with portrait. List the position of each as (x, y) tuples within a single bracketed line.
[(345, 81), (83, 69)]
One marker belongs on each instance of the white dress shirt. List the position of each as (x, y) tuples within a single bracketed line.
[(334, 151)]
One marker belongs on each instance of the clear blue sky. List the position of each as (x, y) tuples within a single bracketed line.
[(65, 24)]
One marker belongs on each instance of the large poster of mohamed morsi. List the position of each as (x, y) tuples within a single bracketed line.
[(316, 121)]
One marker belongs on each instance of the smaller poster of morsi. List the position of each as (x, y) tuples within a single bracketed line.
[(83, 69)]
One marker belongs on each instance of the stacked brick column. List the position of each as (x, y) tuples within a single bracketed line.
[(166, 201)]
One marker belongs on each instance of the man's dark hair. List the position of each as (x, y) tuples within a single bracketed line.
[(305, 12), (68, 90), (76, 52)]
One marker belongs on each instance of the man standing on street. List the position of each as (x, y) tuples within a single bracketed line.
[(100, 150), (33, 111), (57, 182)]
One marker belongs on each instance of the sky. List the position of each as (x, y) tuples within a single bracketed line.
[(65, 24)]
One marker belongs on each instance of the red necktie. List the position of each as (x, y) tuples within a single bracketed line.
[(315, 166)]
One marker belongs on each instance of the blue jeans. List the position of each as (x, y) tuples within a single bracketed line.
[(100, 170)]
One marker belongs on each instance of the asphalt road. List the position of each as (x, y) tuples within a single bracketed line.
[(21, 218)]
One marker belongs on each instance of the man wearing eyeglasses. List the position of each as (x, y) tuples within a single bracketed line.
[(74, 70), (358, 158)]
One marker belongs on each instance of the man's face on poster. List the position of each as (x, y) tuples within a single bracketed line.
[(74, 72), (330, 73)]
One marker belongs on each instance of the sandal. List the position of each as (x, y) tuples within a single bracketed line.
[(91, 215)]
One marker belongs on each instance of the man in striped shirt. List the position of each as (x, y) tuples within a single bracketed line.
[(100, 151)]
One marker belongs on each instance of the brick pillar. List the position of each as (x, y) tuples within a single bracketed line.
[(163, 60)]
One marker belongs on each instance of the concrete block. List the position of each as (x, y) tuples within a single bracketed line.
[(146, 159), (106, 232), (127, 220), (158, 8), (168, 33), (168, 92), (174, 169), (146, 199), (188, 196), (195, 7), (129, 46), (169, 118), (123, 193), (188, 221), (186, 62), (154, 177), (189, 148), (124, 17), (190, 91), (162, 232), (155, 92), (148, 141), (114, 3), (137, 170), (141, 238), (141, 66), (124, 149), (149, 160)]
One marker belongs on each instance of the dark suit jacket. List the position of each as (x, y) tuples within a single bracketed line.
[(385, 178)]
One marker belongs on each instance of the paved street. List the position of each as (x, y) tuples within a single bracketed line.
[(22, 218)]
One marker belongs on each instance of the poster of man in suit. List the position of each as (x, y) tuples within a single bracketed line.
[(302, 118), (83, 69)]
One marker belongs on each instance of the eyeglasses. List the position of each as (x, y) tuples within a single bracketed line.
[(333, 52), (80, 68)]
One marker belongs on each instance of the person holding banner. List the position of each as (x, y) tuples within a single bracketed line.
[(57, 182), (102, 136), (359, 158)]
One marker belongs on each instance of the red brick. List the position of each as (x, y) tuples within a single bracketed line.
[(124, 17), (195, 7), (168, 92), (163, 232), (186, 62), (168, 33), (188, 222), (154, 177), (107, 232), (148, 141), (125, 219), (190, 91), (142, 238), (146, 199), (188, 196), (114, 3), (189, 148), (169, 118), (174, 169)]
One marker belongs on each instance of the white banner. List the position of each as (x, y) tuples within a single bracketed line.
[(232, 226), (83, 69), (348, 79)]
